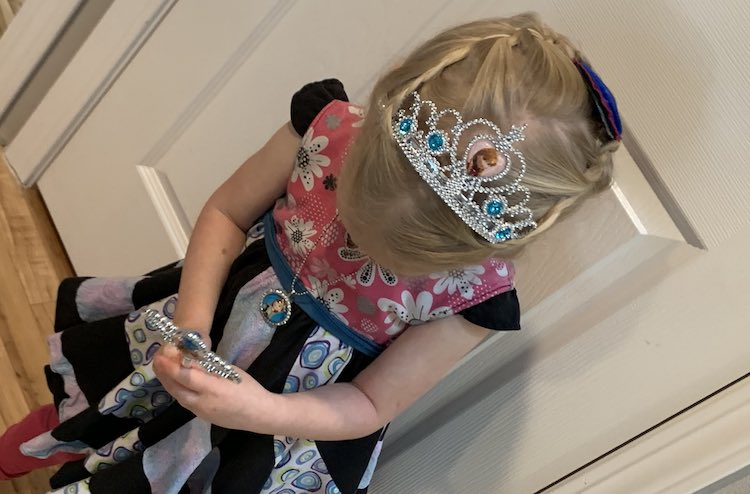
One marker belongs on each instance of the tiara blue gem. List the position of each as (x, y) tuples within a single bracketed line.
[(493, 205), (435, 141), (405, 126), (504, 234), (495, 208)]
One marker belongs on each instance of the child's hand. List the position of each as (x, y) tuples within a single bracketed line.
[(212, 398)]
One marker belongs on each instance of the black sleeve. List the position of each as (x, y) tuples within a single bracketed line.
[(311, 99), (501, 313)]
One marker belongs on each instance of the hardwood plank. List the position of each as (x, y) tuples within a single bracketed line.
[(13, 378), (32, 263), (45, 316), (27, 246), (12, 395), (25, 333), (34, 483), (13, 407), (45, 228), (7, 487)]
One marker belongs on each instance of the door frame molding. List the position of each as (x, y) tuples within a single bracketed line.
[(96, 66), (35, 28)]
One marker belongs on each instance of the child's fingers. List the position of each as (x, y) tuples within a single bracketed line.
[(167, 369), (192, 378), (180, 392), (170, 351)]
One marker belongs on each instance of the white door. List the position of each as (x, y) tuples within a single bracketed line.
[(612, 298)]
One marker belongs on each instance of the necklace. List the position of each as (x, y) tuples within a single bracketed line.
[(276, 304)]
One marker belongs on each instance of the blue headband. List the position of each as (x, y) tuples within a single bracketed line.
[(605, 106)]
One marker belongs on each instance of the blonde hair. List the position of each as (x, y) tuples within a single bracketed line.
[(512, 71)]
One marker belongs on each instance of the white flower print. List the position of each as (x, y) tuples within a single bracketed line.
[(291, 201), (330, 298), (299, 232), (502, 269), (410, 311), (462, 279), (360, 112), (309, 160), (349, 281)]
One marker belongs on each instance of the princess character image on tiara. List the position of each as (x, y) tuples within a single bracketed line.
[(483, 160), (332, 280)]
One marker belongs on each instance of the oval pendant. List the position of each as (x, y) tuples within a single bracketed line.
[(276, 307)]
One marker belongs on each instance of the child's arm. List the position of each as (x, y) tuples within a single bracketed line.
[(220, 231), (406, 370)]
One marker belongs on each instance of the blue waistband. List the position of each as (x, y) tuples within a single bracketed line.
[(313, 307)]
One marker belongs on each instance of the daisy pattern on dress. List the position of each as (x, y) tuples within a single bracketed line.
[(330, 298), (309, 161), (410, 311), (462, 279), (299, 232), (360, 112), (365, 275)]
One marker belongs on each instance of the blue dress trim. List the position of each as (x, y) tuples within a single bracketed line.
[(313, 307)]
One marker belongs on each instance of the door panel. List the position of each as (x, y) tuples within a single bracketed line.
[(612, 295), (527, 408)]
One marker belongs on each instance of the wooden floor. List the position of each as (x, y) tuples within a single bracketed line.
[(32, 263)]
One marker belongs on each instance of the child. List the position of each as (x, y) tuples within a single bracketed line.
[(382, 263)]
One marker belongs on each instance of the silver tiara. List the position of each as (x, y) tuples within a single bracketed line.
[(494, 205)]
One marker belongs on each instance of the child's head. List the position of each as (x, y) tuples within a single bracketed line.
[(514, 71)]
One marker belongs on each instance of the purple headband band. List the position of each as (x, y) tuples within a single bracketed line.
[(603, 99)]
